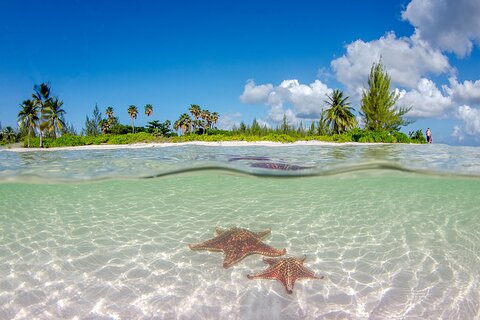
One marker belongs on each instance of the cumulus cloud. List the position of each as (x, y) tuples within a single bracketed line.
[(471, 118), (305, 101), (407, 60), (451, 25), (457, 133), (227, 121), (255, 94), (426, 100), (467, 92)]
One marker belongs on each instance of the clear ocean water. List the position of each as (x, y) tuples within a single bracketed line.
[(103, 234)]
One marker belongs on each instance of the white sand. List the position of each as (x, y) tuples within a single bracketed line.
[(198, 143)]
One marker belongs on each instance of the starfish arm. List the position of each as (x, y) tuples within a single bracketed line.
[(219, 231), (306, 273), (288, 282), (262, 275), (232, 257), (201, 246), (270, 261), (262, 234), (212, 244), (301, 271), (266, 250)]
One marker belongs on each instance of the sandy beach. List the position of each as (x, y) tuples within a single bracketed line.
[(197, 143)]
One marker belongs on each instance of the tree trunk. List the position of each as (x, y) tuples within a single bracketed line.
[(28, 138), (41, 137)]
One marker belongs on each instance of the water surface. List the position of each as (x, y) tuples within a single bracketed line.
[(104, 233)]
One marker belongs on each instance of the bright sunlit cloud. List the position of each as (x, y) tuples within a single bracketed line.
[(297, 101), (450, 25)]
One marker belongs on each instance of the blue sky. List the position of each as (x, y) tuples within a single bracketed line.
[(245, 60)]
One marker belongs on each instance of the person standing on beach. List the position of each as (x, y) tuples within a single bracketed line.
[(428, 133)]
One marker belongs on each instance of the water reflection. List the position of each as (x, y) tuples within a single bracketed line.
[(90, 164), (382, 153)]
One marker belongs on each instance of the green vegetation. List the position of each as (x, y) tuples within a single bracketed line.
[(28, 117), (53, 117), (339, 113), (42, 123), (378, 103), (92, 125), (355, 135), (132, 112), (148, 111)]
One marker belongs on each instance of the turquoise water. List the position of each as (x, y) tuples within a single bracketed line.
[(103, 233)]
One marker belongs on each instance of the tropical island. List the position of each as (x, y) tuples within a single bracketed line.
[(42, 122)]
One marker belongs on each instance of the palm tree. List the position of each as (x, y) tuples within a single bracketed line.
[(109, 112), (109, 122), (105, 125), (196, 111), (214, 118), (148, 110), (206, 116), (8, 134), (41, 98), (28, 116), (132, 112), (339, 114), (53, 116), (184, 123)]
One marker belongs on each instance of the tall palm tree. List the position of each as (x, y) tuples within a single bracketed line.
[(207, 117), (41, 98), (104, 124), (109, 122), (339, 113), (109, 112), (148, 111), (184, 122), (28, 116), (196, 111), (53, 117), (8, 134), (132, 112), (214, 117)]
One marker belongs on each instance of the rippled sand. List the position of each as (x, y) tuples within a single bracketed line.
[(391, 245)]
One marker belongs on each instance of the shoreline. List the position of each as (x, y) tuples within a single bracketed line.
[(196, 143)]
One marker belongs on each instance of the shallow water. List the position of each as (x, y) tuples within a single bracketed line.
[(394, 238)]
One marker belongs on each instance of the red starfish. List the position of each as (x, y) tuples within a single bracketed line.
[(237, 243), (285, 270)]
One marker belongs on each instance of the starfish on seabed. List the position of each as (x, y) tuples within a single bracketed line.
[(285, 270), (237, 243)]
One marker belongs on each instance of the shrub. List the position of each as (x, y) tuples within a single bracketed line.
[(401, 137)]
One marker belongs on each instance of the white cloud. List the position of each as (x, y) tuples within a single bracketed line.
[(227, 121), (325, 74), (457, 133), (426, 100), (451, 25), (306, 101), (276, 113), (467, 92), (262, 123), (471, 118), (255, 94), (407, 60)]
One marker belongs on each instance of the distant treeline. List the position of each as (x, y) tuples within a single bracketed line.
[(42, 122)]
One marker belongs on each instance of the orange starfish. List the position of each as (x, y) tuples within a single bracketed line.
[(285, 270), (237, 243)]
